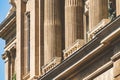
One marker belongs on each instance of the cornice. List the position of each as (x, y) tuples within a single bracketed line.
[(7, 20)]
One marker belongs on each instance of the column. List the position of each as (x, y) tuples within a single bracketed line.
[(73, 21), (117, 7), (52, 30), (98, 10), (34, 39)]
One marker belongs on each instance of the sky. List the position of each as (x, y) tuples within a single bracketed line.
[(4, 8)]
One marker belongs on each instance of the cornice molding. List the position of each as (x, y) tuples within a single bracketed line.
[(7, 20)]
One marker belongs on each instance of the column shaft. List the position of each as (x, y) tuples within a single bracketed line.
[(52, 30), (73, 21), (98, 10)]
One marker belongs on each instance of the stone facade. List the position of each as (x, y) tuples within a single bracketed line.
[(62, 40)]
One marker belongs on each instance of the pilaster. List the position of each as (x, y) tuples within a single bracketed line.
[(34, 39), (20, 10)]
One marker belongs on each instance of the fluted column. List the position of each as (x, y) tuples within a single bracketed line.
[(52, 30), (98, 10), (117, 7), (73, 21)]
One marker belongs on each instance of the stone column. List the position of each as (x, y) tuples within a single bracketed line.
[(98, 10), (117, 7), (52, 30), (73, 21)]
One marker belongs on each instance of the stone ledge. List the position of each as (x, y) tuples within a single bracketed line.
[(54, 62), (74, 47)]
